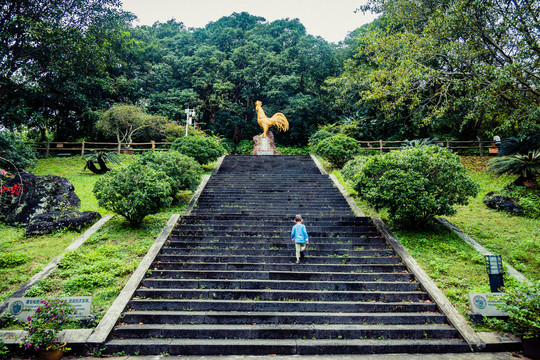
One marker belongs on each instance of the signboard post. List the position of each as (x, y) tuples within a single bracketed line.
[(485, 304), (23, 307)]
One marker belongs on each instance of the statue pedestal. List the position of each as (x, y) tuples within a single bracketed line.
[(264, 146)]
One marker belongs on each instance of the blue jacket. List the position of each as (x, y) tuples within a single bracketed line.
[(299, 233)]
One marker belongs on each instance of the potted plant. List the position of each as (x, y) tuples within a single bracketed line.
[(522, 303), (43, 327)]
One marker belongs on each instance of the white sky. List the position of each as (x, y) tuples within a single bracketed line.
[(332, 20)]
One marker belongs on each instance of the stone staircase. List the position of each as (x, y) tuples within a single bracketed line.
[(226, 281)]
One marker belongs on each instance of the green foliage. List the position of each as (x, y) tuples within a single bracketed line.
[(183, 196), (514, 145), (527, 166), (14, 152), (101, 158), (244, 147), (424, 68), (316, 138), (13, 258), (416, 184), (133, 192), (96, 156), (228, 145), (183, 171), (69, 62), (4, 351), (203, 150), (44, 325), (124, 121), (528, 198), (522, 303), (337, 149), (418, 142), (353, 168), (293, 150)]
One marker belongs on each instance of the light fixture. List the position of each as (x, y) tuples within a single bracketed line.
[(495, 270)]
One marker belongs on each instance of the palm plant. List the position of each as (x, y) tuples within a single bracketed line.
[(527, 166), (101, 158), (513, 145), (419, 142)]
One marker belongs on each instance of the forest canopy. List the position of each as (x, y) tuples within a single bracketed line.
[(451, 69)]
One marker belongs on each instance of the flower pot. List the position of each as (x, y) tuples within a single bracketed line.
[(531, 184), (51, 354), (531, 348)]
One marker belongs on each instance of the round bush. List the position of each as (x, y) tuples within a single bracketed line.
[(318, 136), (415, 184), (338, 149), (184, 172), (134, 191), (14, 152), (203, 150), (353, 168)]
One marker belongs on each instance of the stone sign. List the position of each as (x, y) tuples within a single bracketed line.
[(23, 307), (485, 304)]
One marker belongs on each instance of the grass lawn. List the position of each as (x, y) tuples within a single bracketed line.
[(101, 267), (454, 265)]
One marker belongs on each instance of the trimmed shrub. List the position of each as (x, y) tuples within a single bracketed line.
[(352, 168), (13, 151), (415, 184), (183, 171), (203, 150), (338, 149), (318, 136), (134, 191)]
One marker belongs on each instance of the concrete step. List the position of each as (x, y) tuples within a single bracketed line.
[(284, 346), (286, 331), (284, 317), (283, 229), (258, 284), (358, 242), (309, 259), (331, 248), (296, 306), (280, 295), (279, 275), (284, 250), (302, 267)]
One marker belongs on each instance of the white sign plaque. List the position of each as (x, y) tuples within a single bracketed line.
[(264, 143), (485, 304), (23, 307)]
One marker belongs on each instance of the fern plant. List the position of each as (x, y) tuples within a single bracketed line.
[(527, 166)]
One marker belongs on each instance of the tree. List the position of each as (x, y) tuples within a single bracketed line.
[(15, 153), (451, 65), (58, 62), (124, 121)]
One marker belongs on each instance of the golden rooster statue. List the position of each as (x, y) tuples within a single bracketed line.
[(278, 119)]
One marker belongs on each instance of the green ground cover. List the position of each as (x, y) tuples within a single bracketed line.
[(454, 265), (101, 267)]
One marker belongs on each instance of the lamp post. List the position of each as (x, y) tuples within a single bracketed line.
[(495, 270), (190, 113)]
